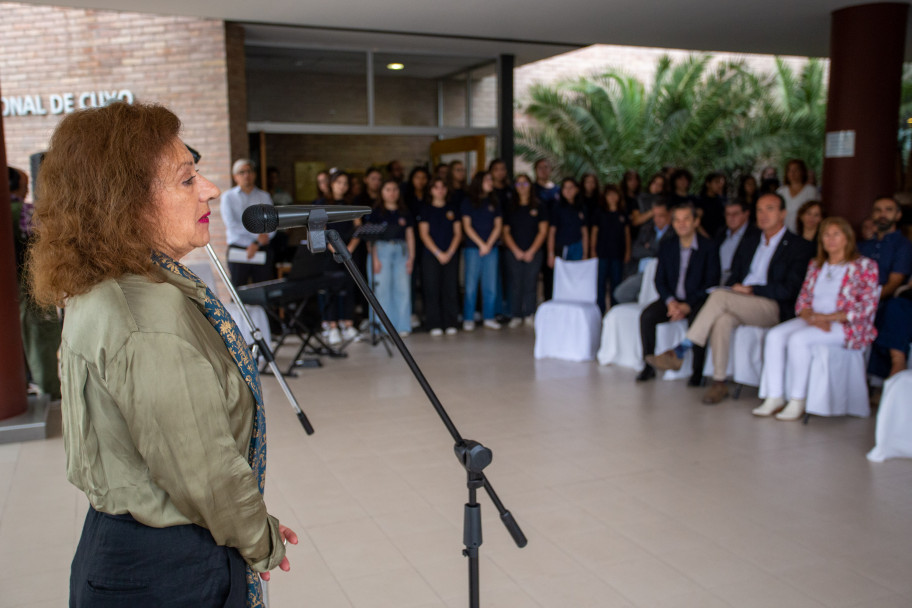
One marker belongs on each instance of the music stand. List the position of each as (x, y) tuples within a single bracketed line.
[(371, 233)]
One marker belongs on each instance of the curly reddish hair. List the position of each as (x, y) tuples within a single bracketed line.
[(95, 217)]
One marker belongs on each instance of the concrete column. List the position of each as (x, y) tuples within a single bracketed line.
[(867, 44), (13, 398), (505, 65)]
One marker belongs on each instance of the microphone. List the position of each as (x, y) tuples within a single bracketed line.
[(260, 219)]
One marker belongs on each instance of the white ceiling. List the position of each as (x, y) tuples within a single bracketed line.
[(785, 27)]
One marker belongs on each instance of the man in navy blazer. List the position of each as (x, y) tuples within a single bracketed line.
[(767, 272), (688, 266)]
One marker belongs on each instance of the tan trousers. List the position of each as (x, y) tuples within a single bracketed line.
[(722, 313)]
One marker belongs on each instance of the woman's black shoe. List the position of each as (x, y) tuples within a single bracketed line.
[(695, 381), (648, 373)]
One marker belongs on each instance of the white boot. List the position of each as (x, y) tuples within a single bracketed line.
[(770, 406), (792, 411)]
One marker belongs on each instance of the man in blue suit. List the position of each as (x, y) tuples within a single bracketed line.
[(688, 266)]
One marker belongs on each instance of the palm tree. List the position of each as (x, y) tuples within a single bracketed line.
[(705, 118)]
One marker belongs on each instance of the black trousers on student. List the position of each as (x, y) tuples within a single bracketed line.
[(656, 313), (441, 291), (122, 563)]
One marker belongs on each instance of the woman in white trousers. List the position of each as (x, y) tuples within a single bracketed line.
[(836, 307)]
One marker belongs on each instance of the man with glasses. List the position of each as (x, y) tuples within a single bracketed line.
[(248, 254)]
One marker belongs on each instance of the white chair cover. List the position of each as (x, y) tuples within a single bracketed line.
[(567, 327), (745, 361), (894, 420), (621, 343), (837, 385), (257, 314), (669, 335)]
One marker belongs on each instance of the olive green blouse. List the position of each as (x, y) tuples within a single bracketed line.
[(156, 416)]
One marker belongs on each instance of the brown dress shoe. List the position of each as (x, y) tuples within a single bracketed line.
[(716, 393), (666, 360)]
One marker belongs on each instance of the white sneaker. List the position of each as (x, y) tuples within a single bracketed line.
[(436, 332), (514, 323), (416, 322), (334, 336), (529, 321), (468, 325), (491, 324), (793, 411), (769, 406), (451, 331), (349, 333), (404, 334)]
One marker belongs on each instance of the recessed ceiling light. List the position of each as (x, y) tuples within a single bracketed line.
[(395, 66)]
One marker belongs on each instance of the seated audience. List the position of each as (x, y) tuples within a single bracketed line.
[(644, 249), (891, 348), (810, 214), (440, 230), (836, 306), (889, 248), (525, 230), (392, 257), (482, 222), (688, 267), (737, 225), (796, 191), (767, 273), (610, 242)]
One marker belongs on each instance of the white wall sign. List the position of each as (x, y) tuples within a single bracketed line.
[(61, 103), (840, 144)]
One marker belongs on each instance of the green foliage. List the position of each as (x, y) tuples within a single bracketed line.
[(694, 115)]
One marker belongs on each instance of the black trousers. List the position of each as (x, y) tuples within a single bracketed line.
[(241, 274), (656, 313), (441, 291), (522, 283), (122, 563)]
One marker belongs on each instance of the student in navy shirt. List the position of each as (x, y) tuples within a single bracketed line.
[(440, 230), (610, 242), (482, 223), (524, 234), (568, 237), (393, 256)]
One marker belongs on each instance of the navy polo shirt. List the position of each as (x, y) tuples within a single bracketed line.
[(440, 222), (396, 221), (569, 221), (611, 241), (548, 196), (523, 221), (892, 254), (482, 217)]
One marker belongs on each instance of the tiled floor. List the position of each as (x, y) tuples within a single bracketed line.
[(630, 495)]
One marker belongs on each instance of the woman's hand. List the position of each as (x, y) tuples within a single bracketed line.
[(252, 248), (288, 535), (550, 260), (409, 265), (377, 265)]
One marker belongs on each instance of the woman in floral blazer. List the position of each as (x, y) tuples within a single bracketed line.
[(836, 307)]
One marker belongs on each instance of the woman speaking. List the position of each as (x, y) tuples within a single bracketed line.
[(163, 415)]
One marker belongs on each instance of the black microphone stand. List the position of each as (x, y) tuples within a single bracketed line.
[(473, 456), (260, 342)]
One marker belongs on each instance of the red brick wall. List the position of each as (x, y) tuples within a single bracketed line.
[(176, 61)]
